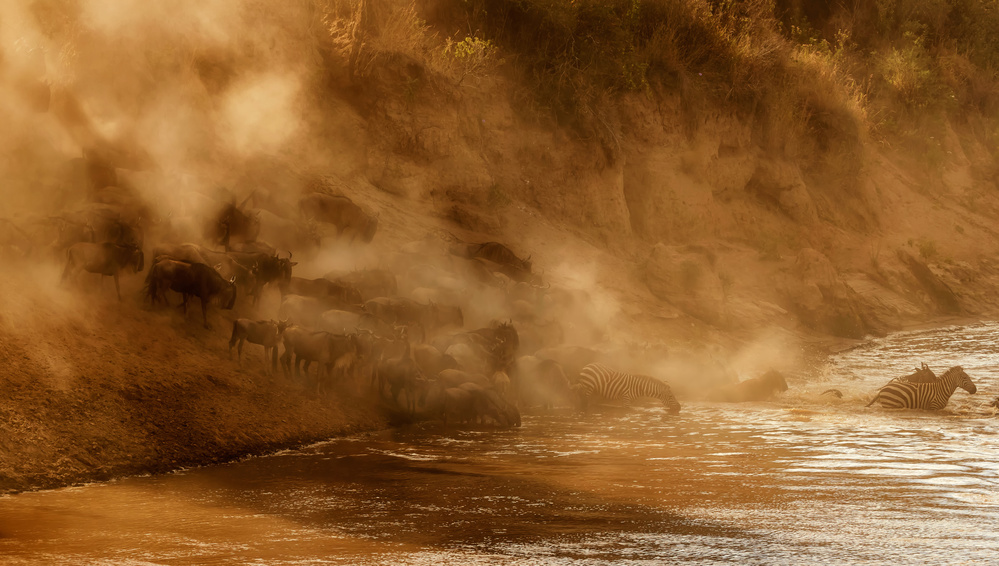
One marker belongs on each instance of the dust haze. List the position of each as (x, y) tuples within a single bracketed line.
[(163, 114)]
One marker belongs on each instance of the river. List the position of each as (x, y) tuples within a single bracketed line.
[(807, 479)]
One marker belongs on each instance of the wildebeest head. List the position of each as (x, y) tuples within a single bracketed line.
[(774, 380)]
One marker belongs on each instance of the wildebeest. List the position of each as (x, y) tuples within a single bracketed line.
[(455, 377), (320, 288), (190, 279), (572, 358), (473, 357), (755, 389), (350, 220), (268, 268), (922, 375), (245, 277), (432, 361), (370, 283), (540, 382), (303, 311), (294, 235), (400, 311), (266, 333), (231, 224), (333, 353), (494, 252), (344, 354), (500, 341), (104, 258), (401, 374), (470, 403)]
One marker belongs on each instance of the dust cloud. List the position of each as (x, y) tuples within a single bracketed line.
[(162, 114)]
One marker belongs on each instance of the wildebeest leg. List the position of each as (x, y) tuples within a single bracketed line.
[(117, 288), (285, 361), (204, 310), (233, 338)]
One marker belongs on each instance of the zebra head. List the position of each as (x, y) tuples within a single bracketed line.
[(672, 405), (957, 374)]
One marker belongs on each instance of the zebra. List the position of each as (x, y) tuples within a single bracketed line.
[(902, 394), (598, 379)]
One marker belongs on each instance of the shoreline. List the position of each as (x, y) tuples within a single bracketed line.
[(165, 441)]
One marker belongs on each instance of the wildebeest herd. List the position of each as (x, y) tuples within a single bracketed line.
[(460, 332)]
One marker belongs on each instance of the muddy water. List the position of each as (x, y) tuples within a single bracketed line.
[(808, 479)]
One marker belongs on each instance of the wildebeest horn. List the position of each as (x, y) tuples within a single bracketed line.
[(232, 280), (218, 266)]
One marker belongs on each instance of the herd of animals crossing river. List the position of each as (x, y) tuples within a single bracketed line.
[(400, 330)]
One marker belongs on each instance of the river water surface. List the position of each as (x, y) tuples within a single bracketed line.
[(807, 479)]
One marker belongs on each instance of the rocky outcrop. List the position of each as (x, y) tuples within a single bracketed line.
[(685, 276), (781, 185), (814, 292)]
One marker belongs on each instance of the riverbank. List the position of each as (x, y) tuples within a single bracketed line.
[(98, 390)]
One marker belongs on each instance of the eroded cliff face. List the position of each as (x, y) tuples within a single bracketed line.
[(718, 228)]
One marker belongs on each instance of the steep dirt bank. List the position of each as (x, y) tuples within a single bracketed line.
[(99, 389)]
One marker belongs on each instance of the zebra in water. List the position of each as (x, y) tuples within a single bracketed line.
[(902, 394), (598, 379)]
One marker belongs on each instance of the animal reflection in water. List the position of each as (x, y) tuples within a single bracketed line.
[(921, 391), (600, 380), (755, 389)]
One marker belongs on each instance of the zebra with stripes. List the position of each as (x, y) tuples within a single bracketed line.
[(600, 380), (904, 394)]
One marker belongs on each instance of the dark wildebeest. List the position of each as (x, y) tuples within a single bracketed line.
[(190, 279), (267, 333), (308, 311), (490, 403), (401, 373), (104, 258), (494, 252), (755, 389), (922, 375), (572, 358), (471, 403), (244, 277), (455, 377), (70, 231), (267, 267), (540, 382), (400, 311), (345, 350), (432, 361), (370, 283), (232, 224), (472, 357), (293, 235), (329, 351), (350, 220), (323, 288)]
